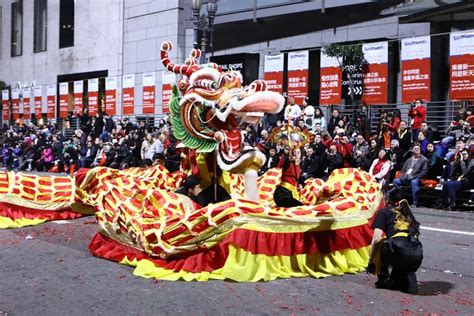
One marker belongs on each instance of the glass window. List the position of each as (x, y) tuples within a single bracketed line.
[(66, 23), (41, 19), (17, 29)]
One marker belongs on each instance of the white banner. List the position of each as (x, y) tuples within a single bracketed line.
[(5, 95), (93, 85), (327, 61), (148, 79), (273, 63), (51, 90), (416, 48), (110, 83), (168, 77), (38, 91), (376, 53), (298, 60), (63, 88), (461, 43), (15, 93), (129, 81), (78, 86)]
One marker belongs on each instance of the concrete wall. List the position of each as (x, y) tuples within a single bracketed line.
[(148, 23), (97, 42)]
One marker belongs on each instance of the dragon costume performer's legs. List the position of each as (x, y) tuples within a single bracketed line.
[(251, 188)]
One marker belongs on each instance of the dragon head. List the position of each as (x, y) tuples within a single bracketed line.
[(212, 105)]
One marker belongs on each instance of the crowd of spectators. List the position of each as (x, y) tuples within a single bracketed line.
[(399, 154)]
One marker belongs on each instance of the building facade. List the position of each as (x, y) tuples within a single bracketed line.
[(45, 42)]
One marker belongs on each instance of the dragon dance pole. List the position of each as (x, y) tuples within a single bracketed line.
[(214, 180)]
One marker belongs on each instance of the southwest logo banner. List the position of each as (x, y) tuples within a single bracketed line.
[(51, 101), (93, 96), (148, 93), (15, 103), (26, 103), (128, 103), (38, 93), (375, 76), (63, 99), (298, 75), (78, 95), (461, 52), (416, 69), (330, 80), (167, 81), (273, 72), (6, 105), (110, 95)]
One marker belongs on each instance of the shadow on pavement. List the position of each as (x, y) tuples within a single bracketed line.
[(432, 288)]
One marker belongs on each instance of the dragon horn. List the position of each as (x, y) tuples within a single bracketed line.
[(186, 70)]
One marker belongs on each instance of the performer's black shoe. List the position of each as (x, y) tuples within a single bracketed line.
[(442, 206), (385, 282), (412, 284)]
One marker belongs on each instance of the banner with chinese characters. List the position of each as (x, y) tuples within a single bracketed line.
[(51, 101), (63, 99), (110, 95), (273, 72), (167, 81), (148, 93), (6, 105), (15, 103), (298, 75), (462, 65), (26, 103), (128, 94), (416, 69), (38, 92), (93, 96), (375, 74), (330, 80), (78, 96)]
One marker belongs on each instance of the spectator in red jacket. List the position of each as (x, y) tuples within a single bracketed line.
[(417, 113)]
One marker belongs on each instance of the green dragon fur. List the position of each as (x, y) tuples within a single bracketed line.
[(180, 132)]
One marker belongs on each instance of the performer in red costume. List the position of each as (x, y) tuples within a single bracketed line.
[(286, 194)]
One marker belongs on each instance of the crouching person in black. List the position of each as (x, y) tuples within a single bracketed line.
[(400, 249), (192, 189)]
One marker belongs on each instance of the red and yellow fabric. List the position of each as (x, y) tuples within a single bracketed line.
[(145, 225), (31, 199)]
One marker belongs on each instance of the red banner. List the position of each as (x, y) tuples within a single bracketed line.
[(462, 66), (416, 69), (298, 76), (149, 93), (15, 103), (462, 77), (6, 105), (167, 81), (110, 95), (63, 99), (375, 76), (93, 96), (330, 89), (416, 80), (78, 97), (330, 80), (38, 101), (26, 103), (273, 72), (51, 101), (128, 92)]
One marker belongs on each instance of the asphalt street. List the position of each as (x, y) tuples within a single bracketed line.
[(48, 270)]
